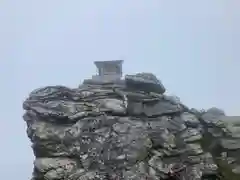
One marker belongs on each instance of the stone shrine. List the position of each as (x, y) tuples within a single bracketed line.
[(108, 70)]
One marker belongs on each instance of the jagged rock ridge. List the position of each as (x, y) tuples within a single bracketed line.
[(125, 129)]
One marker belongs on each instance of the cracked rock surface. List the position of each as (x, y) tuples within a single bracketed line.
[(127, 129)]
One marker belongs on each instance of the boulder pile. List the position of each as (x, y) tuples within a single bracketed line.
[(126, 129)]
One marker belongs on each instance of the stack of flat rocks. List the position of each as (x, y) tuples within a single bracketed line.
[(125, 129)]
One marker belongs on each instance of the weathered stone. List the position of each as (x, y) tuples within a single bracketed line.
[(190, 119), (236, 170), (230, 144), (191, 135), (145, 82), (153, 109), (113, 128), (115, 106), (55, 168)]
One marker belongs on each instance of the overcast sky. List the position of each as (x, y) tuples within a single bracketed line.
[(192, 46)]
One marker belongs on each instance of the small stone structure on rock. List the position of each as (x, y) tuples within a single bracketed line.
[(127, 129), (110, 70)]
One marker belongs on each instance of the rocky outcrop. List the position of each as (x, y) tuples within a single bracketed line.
[(222, 139), (125, 129)]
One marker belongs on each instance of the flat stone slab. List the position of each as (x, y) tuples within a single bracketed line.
[(230, 144), (145, 82)]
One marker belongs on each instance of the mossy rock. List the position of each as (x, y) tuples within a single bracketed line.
[(226, 171)]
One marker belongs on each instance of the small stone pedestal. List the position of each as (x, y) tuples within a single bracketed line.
[(108, 70)]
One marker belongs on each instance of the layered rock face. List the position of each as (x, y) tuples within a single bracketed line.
[(127, 130), (222, 139)]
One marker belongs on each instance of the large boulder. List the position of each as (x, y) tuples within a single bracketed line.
[(147, 82), (125, 129)]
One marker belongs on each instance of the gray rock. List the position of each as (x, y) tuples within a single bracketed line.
[(230, 144), (216, 111), (152, 109), (55, 168), (111, 105), (145, 82), (236, 170), (190, 119), (191, 135), (123, 129)]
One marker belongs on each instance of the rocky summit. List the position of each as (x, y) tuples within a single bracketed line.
[(114, 128)]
